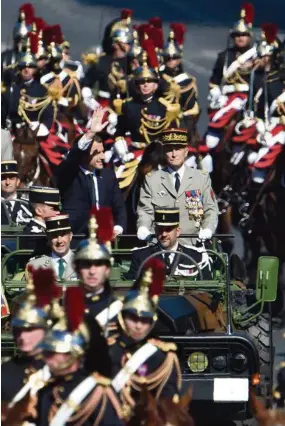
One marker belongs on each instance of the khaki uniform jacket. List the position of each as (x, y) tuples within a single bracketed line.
[(158, 191), (46, 262)]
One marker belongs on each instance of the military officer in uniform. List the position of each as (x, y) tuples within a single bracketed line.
[(120, 38), (30, 102), (15, 208), (73, 396), (61, 257), (138, 360), (178, 186), (93, 266), (229, 83), (167, 231), (183, 85), (30, 324), (45, 203)]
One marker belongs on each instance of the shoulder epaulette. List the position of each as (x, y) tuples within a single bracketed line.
[(164, 346)]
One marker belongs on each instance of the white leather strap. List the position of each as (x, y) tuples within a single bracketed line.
[(131, 366), (72, 402), (109, 313), (35, 383)]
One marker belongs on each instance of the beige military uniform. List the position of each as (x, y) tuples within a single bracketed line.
[(158, 191), (47, 262)]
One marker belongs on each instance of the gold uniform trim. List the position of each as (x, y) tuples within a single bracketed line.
[(168, 211), (46, 191)]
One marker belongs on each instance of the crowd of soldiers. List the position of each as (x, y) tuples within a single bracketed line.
[(84, 354)]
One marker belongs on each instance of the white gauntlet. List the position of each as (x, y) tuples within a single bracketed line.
[(143, 233), (122, 151)]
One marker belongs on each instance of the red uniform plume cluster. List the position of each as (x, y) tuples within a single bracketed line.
[(149, 47), (179, 33), (158, 275), (270, 31), (249, 13), (45, 286), (105, 221), (126, 13), (74, 307), (29, 11)]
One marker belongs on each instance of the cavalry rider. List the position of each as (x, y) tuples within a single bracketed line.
[(138, 360), (76, 395), (183, 85), (93, 266), (116, 44), (62, 84), (29, 324), (30, 102), (269, 106), (229, 83), (21, 30), (145, 115)]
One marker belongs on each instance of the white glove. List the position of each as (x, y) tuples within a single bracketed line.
[(205, 234), (260, 126), (113, 120), (34, 125), (108, 155), (121, 149), (143, 233), (88, 98), (214, 94)]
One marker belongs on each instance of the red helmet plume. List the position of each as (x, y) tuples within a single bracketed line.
[(143, 30), (179, 33), (105, 222), (270, 31), (126, 13), (149, 47), (155, 21), (57, 36), (40, 24), (45, 286), (74, 307), (47, 35), (248, 13), (29, 11), (156, 34), (158, 275), (34, 39)]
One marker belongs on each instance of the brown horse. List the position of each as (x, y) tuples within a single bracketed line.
[(162, 412), (26, 153)]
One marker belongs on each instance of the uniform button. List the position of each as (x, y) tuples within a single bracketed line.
[(176, 202)]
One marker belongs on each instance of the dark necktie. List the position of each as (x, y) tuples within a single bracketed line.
[(61, 268), (91, 187), (177, 182), (167, 262)]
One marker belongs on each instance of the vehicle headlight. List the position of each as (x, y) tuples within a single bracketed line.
[(198, 362), (239, 362), (219, 362)]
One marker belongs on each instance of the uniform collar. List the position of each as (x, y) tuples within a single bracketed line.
[(66, 258), (38, 222), (14, 197), (180, 171), (96, 172)]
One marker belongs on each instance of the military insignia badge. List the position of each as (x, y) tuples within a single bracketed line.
[(162, 193), (194, 205)]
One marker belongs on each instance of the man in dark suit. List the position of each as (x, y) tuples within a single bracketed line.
[(167, 232), (83, 182)]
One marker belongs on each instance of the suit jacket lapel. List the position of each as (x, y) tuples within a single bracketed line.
[(166, 180), (188, 174)]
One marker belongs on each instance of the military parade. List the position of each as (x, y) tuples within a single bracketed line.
[(142, 258)]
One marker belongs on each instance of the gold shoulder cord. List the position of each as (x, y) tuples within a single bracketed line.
[(26, 105), (152, 127), (156, 380)]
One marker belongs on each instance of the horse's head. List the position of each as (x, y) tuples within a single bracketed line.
[(26, 153)]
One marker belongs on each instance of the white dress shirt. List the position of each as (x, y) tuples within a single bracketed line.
[(173, 173), (172, 255), (55, 258)]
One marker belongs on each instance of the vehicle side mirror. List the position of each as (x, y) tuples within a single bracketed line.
[(237, 268), (267, 278)]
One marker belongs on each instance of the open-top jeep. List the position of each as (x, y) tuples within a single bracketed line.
[(224, 339)]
